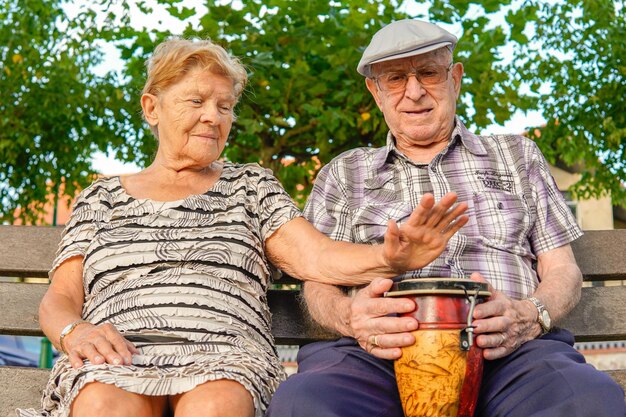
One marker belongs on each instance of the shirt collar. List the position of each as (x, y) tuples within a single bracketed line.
[(470, 140), (382, 172), (382, 166)]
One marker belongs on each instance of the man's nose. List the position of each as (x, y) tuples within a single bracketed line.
[(414, 89)]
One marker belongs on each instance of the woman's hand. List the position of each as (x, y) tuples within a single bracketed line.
[(99, 344), (503, 324), (424, 236)]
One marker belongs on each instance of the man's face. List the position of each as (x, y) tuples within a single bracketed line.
[(420, 115)]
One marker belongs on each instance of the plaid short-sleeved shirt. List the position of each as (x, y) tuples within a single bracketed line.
[(515, 208)]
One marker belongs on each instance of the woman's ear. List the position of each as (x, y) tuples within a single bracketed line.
[(149, 107)]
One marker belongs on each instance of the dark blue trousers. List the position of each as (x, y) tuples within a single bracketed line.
[(545, 377)]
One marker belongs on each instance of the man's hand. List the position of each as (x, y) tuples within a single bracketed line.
[(99, 344), (503, 324), (424, 236), (377, 332)]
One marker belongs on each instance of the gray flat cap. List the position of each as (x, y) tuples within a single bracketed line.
[(404, 38)]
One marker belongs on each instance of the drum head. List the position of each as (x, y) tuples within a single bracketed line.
[(433, 286)]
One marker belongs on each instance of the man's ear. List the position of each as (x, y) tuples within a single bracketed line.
[(148, 106), (457, 77), (371, 85)]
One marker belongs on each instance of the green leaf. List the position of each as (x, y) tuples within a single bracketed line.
[(304, 98)]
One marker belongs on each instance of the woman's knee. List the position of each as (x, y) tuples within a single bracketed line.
[(97, 399), (221, 398)]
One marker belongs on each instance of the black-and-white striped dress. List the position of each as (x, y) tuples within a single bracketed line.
[(184, 280)]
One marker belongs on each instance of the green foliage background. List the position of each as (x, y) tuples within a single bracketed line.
[(305, 98)]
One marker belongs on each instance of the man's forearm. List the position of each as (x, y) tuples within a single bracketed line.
[(560, 295), (328, 306), (561, 282)]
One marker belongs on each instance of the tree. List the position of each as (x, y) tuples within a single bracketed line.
[(576, 65), (305, 103), (305, 97), (54, 112)]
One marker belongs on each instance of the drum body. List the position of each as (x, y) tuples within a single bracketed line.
[(440, 375)]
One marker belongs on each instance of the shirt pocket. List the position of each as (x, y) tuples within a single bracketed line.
[(502, 220), (370, 221)]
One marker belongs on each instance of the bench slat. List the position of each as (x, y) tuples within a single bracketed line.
[(31, 249), (21, 387), (20, 305), (290, 323), (600, 254), (597, 317), (28, 251)]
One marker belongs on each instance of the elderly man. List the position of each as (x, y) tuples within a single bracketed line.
[(517, 239)]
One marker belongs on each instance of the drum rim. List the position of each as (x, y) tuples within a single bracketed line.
[(483, 288)]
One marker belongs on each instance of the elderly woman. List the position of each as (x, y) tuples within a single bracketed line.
[(158, 291)]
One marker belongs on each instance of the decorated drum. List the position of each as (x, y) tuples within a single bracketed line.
[(440, 375)]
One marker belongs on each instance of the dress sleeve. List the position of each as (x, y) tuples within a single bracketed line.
[(275, 206), (555, 224), (79, 230)]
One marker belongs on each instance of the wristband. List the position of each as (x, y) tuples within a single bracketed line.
[(67, 330)]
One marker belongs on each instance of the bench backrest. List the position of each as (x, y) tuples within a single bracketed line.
[(27, 251)]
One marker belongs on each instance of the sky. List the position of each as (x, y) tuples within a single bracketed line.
[(160, 19)]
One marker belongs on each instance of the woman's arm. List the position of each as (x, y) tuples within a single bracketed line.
[(62, 305), (303, 252)]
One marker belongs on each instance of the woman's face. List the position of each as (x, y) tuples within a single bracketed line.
[(193, 117)]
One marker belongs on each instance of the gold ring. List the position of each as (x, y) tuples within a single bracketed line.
[(373, 341)]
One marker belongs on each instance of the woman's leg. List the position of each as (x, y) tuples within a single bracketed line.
[(97, 399), (221, 398)]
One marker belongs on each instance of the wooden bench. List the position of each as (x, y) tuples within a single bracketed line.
[(27, 251)]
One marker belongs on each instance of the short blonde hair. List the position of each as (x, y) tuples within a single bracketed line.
[(175, 57)]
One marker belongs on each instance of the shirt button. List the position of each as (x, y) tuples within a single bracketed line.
[(500, 206), (451, 263), (433, 169)]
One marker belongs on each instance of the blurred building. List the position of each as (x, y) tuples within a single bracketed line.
[(591, 214)]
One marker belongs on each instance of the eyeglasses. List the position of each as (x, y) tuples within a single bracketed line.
[(395, 81)]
